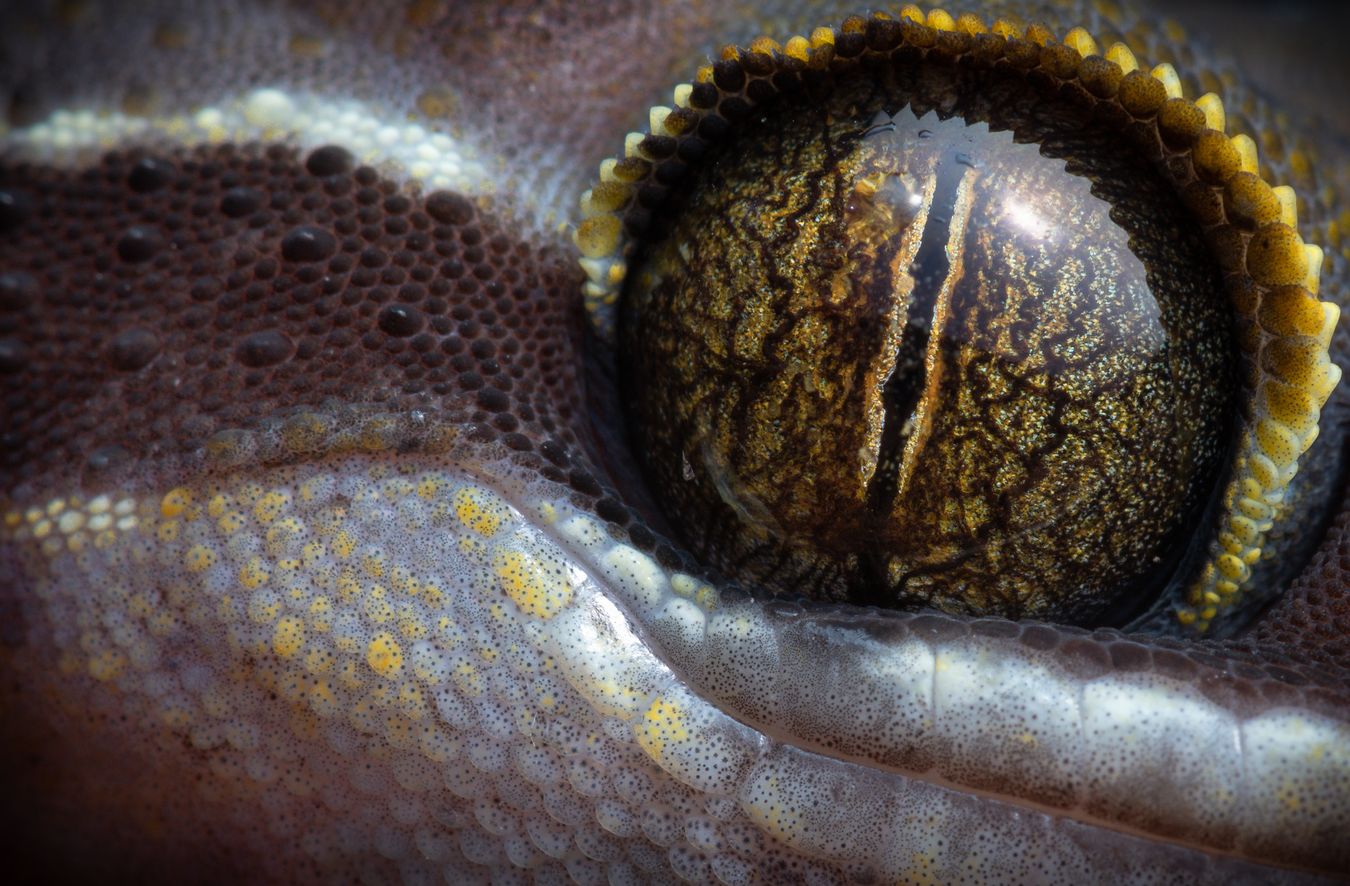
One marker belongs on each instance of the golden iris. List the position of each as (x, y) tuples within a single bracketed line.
[(898, 348)]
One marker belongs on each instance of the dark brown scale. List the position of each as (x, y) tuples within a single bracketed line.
[(133, 349), (308, 243), (449, 208), (13, 355), (264, 348), (400, 320), (139, 244), (493, 400), (18, 289), (150, 174), (329, 160), (239, 202), (15, 208)]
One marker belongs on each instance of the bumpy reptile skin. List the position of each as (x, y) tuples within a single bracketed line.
[(320, 559)]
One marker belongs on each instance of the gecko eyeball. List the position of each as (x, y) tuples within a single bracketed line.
[(920, 312), (907, 360)]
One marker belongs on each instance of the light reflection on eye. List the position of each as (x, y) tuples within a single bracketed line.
[(1025, 219)]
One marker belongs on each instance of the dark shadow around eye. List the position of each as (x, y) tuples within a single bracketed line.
[(919, 312)]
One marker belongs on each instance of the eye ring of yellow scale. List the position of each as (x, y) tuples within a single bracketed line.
[(1271, 276)]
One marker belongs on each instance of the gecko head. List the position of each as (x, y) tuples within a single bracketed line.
[(327, 499)]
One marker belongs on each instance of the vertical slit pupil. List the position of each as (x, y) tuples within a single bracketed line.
[(905, 385)]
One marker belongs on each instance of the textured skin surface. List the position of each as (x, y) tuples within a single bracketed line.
[(232, 279), (321, 560), (1314, 615)]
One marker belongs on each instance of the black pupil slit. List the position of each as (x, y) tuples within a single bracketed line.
[(931, 271)]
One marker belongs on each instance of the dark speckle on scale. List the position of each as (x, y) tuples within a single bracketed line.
[(15, 207), (150, 174), (13, 355), (264, 349), (307, 244), (133, 349), (139, 244), (400, 320), (450, 209), (17, 290), (239, 202), (329, 160)]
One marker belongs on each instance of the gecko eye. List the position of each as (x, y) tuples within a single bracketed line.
[(908, 360), (924, 315)]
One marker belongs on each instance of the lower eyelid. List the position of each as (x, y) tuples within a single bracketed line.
[(917, 729), (1055, 718)]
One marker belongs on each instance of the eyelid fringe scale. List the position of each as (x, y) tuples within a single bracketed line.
[(1283, 330)]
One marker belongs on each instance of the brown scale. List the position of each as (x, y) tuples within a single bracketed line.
[(909, 361), (217, 286)]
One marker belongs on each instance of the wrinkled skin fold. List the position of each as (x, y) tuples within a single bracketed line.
[(322, 557)]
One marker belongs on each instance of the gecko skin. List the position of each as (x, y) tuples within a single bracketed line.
[(322, 559)]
